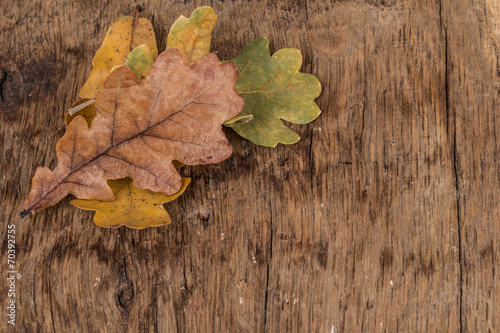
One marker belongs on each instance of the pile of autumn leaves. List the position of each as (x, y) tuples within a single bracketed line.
[(142, 116)]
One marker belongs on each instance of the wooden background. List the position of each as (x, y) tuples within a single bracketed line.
[(385, 217)]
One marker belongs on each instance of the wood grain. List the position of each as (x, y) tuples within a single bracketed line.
[(383, 218)]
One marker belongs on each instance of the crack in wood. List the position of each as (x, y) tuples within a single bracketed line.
[(455, 161), (3, 79)]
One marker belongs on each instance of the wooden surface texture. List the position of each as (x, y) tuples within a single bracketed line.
[(384, 217)]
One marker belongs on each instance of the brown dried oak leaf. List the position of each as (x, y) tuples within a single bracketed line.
[(140, 128)]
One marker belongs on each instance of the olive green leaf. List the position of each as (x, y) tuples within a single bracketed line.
[(124, 35), (192, 35), (132, 207), (140, 60), (273, 89)]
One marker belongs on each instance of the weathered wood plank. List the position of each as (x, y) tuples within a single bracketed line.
[(384, 203), (384, 217), (473, 34)]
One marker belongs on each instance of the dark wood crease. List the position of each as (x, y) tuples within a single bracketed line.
[(113, 146)]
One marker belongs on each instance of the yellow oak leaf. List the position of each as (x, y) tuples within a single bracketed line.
[(123, 36), (132, 207)]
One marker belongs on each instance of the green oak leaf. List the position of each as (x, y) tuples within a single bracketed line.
[(273, 89), (140, 60)]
